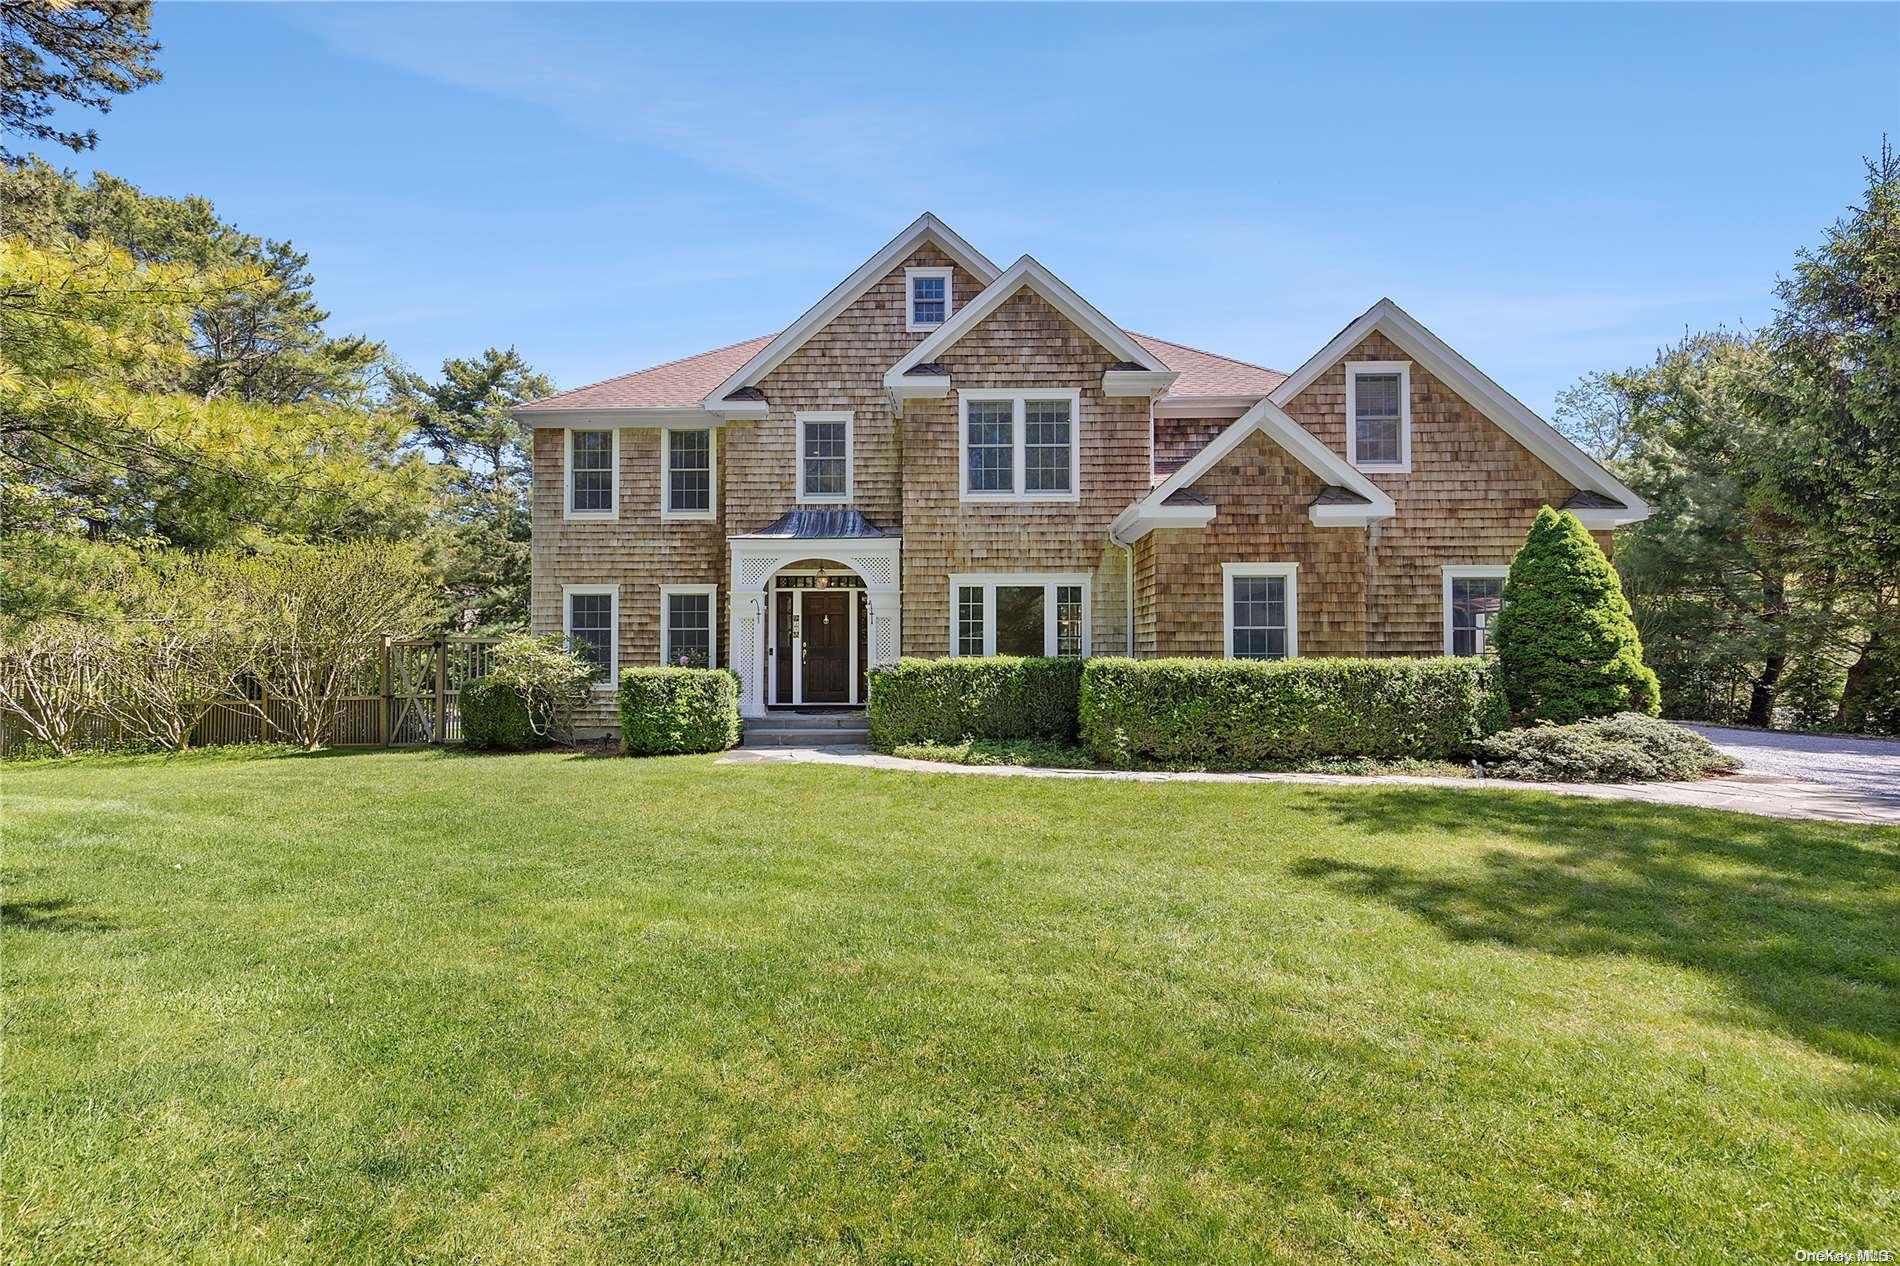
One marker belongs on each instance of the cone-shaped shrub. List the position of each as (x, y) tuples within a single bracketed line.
[(1566, 644)]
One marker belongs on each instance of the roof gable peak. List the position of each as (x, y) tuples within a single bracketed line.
[(925, 228)]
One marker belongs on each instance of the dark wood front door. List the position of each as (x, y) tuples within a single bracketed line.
[(826, 629)]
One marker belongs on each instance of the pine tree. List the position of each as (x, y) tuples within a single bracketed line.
[(1566, 644)]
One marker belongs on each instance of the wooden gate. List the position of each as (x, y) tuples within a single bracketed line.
[(422, 687)]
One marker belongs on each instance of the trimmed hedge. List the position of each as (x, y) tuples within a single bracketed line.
[(667, 711), (952, 700), (1241, 714), (495, 717)]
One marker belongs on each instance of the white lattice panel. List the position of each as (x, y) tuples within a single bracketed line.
[(885, 646), (753, 572), (876, 571)]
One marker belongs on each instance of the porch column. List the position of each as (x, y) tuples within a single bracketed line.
[(885, 642), (748, 619)]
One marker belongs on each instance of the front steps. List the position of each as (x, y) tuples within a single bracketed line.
[(844, 728)]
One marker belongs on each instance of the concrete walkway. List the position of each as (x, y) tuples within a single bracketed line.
[(1760, 791)]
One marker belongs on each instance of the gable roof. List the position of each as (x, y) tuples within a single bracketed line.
[(1026, 272), (925, 228), (677, 384), (1500, 406)]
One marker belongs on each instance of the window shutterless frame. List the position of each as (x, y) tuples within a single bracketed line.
[(1357, 369), (1051, 583), (711, 594), (829, 419), (1019, 401), (911, 277), (711, 511), (1461, 571), (1290, 572), (568, 511), (612, 592)]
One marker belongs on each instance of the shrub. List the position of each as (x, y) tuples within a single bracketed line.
[(1243, 714), (1628, 747), (496, 717), (951, 700), (550, 679), (667, 711), (1564, 638)]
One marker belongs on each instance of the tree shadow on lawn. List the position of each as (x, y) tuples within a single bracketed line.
[(49, 914), (1801, 922)]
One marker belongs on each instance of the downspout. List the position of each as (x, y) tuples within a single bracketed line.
[(1128, 584)]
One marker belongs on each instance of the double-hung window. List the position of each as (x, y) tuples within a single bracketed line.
[(824, 457), (1473, 597), (926, 298), (686, 461), (592, 476), (1379, 415), (1261, 610), (1020, 446), (1019, 614), (686, 626), (591, 620)]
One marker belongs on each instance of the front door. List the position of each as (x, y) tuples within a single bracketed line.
[(825, 626)]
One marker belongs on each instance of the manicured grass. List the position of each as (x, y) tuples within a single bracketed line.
[(425, 1006)]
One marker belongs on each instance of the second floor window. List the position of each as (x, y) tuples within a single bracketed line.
[(590, 473), (689, 473), (824, 457), (1020, 447)]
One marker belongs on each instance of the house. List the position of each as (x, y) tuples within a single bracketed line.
[(944, 457)]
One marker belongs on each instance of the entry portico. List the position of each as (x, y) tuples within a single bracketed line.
[(774, 570)]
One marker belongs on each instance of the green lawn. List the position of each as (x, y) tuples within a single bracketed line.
[(428, 1006)]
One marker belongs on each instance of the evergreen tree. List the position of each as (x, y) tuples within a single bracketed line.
[(465, 421), (80, 52), (1566, 644)]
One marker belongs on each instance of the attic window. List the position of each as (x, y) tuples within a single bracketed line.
[(928, 299), (1379, 415)]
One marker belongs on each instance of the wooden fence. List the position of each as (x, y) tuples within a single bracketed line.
[(405, 693)]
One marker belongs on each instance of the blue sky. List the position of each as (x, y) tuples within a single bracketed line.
[(1553, 189)]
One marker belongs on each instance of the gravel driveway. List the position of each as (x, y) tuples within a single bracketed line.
[(1863, 772)]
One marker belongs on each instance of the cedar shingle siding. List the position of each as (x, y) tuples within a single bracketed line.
[(1469, 497)]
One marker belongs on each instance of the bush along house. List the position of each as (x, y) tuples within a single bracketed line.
[(944, 457)]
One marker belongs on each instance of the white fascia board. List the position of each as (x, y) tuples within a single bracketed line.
[(1026, 272), (1136, 382), (1204, 406), (1506, 411), (925, 227), (1604, 520), (920, 387), (1342, 516), (649, 415), (1141, 518)]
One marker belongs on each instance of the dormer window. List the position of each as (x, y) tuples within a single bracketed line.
[(1379, 415), (928, 297)]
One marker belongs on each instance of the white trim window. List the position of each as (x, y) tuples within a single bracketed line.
[(1260, 610), (1020, 613), (1019, 445), (927, 298), (688, 473), (1379, 415), (590, 621), (689, 623), (591, 474), (1473, 597), (824, 457)]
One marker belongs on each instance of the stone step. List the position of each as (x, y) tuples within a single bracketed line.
[(806, 738), (807, 729)]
